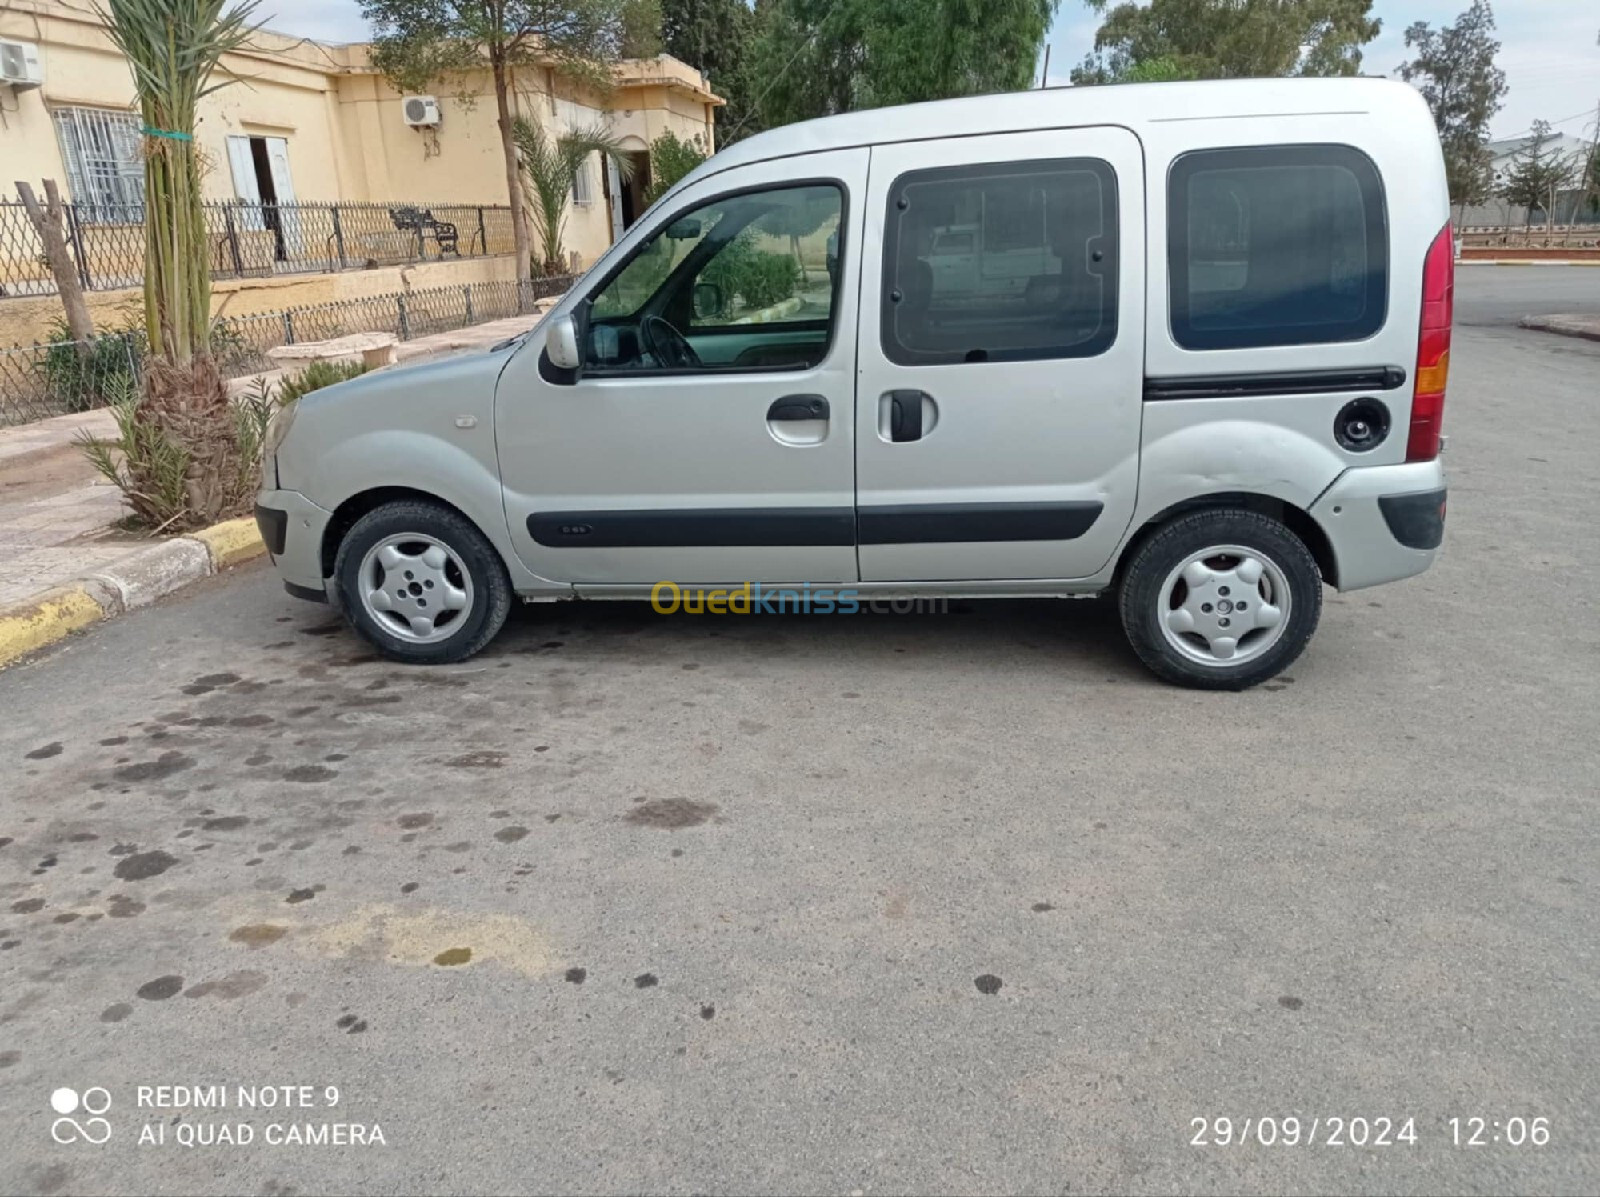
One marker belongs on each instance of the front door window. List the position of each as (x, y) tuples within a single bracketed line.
[(742, 282)]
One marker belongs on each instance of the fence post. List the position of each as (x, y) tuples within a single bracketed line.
[(483, 235), (75, 235), (233, 242), (405, 320), (466, 294), (338, 236), (288, 327)]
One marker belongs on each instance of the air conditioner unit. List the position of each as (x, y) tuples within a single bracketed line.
[(20, 66), (421, 111)]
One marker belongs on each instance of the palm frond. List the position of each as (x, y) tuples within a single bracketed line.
[(549, 166)]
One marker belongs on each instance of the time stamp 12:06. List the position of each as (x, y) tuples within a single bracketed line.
[(1295, 1131)]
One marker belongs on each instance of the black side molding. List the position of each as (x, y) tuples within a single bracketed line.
[(274, 528), (955, 523), (1417, 520), (1290, 382), (919, 523), (694, 528)]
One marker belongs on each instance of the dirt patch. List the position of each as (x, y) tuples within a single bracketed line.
[(46, 473), (258, 935), (670, 814), (144, 864)]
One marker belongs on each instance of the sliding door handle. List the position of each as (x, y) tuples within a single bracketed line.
[(906, 414), (798, 407)]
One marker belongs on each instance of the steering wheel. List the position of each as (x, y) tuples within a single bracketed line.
[(667, 345)]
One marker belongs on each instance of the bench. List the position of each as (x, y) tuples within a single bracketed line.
[(421, 222), (374, 349)]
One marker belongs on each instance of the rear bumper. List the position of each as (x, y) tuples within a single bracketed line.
[(1384, 522), (292, 526)]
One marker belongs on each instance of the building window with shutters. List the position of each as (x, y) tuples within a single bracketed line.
[(105, 163), (582, 187)]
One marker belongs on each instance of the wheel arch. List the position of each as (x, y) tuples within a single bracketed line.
[(1295, 518), (357, 505)]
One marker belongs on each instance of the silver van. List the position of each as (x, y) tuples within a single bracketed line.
[(1217, 386)]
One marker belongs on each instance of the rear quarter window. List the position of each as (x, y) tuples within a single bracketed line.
[(1276, 245)]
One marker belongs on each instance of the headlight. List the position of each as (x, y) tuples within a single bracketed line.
[(278, 427)]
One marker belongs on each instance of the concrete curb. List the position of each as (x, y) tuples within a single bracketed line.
[(1521, 262), (1586, 327), (131, 581)]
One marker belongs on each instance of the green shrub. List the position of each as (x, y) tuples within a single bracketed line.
[(145, 463), (764, 279), (316, 376), (670, 160), (92, 374)]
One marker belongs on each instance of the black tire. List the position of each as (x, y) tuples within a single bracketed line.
[(491, 589), (1143, 606)]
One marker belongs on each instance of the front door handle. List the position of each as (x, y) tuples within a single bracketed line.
[(798, 407)]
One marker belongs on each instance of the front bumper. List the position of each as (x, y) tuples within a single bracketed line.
[(1384, 522), (292, 527)]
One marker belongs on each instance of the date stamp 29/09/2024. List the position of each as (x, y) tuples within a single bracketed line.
[(1293, 1130)]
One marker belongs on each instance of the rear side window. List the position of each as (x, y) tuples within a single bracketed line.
[(1009, 261), (1276, 245)]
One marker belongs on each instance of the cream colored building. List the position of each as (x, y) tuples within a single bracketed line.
[(308, 122)]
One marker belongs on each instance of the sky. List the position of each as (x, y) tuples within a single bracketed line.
[(1548, 48)]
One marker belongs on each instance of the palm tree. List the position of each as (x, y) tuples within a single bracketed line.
[(549, 167), (173, 47)]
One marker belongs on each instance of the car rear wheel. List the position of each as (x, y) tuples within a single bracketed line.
[(1221, 600), (422, 583)]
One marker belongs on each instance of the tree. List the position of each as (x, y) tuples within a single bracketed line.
[(1455, 72), (1228, 39), (818, 57), (1537, 174), (715, 36), (641, 29), (418, 41), (200, 455), (49, 225), (670, 160), (550, 166)]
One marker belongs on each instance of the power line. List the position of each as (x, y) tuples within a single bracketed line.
[(755, 104)]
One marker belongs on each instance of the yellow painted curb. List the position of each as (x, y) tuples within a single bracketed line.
[(44, 620), (231, 541)]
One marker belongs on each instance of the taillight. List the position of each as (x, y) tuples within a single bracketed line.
[(1433, 348)]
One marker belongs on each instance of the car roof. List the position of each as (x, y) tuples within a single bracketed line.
[(1130, 104)]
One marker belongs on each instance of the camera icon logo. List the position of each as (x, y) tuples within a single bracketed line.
[(93, 1102)]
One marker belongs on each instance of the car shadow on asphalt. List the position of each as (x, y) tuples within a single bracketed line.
[(1078, 636)]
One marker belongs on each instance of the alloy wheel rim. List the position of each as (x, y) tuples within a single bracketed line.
[(1224, 605), (415, 587)]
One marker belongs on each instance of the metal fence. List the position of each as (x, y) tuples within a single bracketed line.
[(67, 376), (254, 240), (71, 376)]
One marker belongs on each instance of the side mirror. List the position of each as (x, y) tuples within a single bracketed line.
[(561, 343), (707, 301)]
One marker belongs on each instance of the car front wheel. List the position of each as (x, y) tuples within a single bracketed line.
[(1221, 600), (422, 583)]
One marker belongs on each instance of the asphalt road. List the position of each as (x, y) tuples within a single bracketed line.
[(1500, 296), (959, 904)]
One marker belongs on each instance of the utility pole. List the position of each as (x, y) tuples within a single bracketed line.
[(1044, 75)]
